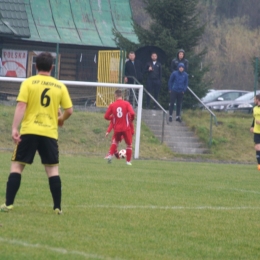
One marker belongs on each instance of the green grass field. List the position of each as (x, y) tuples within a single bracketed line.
[(152, 210)]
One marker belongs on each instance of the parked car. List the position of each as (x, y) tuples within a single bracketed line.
[(223, 95), (244, 104), (218, 105), (222, 105)]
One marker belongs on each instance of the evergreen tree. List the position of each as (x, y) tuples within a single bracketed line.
[(175, 25)]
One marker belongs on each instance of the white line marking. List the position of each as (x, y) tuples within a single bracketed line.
[(168, 207), (55, 249), (153, 207), (247, 191)]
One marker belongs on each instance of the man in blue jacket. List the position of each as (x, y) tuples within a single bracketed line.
[(177, 84)]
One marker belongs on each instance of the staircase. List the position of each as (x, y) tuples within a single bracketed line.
[(176, 135)]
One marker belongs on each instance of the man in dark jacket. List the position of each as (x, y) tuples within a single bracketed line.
[(154, 78), (133, 68), (180, 59), (177, 84)]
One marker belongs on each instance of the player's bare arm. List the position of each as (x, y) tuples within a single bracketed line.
[(108, 115), (66, 114), (59, 112), (18, 116)]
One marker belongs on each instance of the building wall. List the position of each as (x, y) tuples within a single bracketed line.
[(75, 63)]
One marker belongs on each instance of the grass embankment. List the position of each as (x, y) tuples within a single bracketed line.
[(231, 138), (84, 133)]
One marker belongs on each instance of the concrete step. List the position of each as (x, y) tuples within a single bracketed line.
[(158, 125), (179, 139), (176, 135), (172, 131), (152, 116), (169, 134), (151, 111), (185, 145), (159, 122), (153, 121), (191, 150)]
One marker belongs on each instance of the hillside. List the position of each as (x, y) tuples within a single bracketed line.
[(84, 133), (232, 38)]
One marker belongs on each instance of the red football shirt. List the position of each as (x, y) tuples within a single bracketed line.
[(121, 112)]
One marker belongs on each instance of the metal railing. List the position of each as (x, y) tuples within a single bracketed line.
[(212, 115), (155, 101)]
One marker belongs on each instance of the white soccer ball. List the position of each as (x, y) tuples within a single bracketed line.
[(122, 153)]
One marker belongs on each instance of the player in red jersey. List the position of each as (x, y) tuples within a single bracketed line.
[(110, 127), (121, 113)]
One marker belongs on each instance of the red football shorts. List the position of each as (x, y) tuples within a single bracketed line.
[(126, 134)]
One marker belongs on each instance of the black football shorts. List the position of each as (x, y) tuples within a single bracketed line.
[(47, 148), (257, 138)]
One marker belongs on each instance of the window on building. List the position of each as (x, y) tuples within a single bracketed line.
[(32, 64)]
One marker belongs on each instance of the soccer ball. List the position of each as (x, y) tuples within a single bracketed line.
[(122, 153)]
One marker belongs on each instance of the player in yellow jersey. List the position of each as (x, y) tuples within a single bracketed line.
[(37, 109), (255, 128)]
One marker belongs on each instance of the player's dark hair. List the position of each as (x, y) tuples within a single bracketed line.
[(154, 53), (257, 97), (131, 52), (118, 93), (44, 61)]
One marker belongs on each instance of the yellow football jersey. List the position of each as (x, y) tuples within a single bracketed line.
[(43, 95), (256, 113)]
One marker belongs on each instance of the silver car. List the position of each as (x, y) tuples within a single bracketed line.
[(223, 105), (223, 95), (244, 104)]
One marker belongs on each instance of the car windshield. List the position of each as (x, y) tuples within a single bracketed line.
[(212, 96), (246, 97)]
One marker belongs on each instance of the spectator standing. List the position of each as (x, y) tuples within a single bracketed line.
[(133, 68), (37, 105), (180, 58), (177, 84), (154, 78)]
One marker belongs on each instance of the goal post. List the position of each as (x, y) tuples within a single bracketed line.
[(85, 85), (121, 86)]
